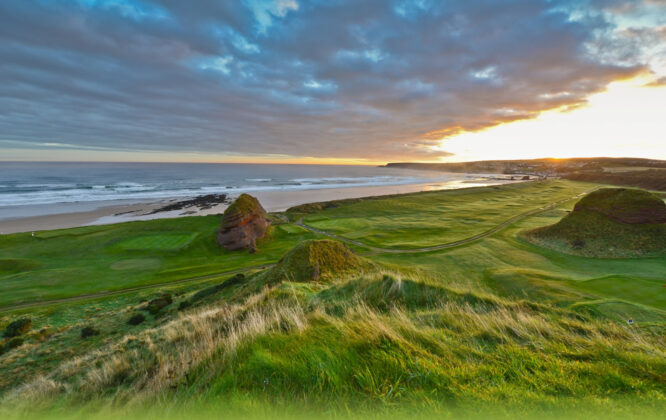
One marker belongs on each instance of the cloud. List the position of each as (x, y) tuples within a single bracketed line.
[(371, 79)]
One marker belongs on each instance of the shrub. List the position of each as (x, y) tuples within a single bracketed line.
[(88, 332), (18, 327), (578, 244), (156, 305), (208, 291), (136, 319), (15, 342)]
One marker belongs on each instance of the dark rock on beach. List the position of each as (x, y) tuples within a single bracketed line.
[(202, 202)]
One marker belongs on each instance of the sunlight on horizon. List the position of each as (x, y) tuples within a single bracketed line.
[(626, 120)]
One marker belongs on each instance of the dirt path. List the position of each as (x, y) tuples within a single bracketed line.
[(36, 304), (447, 245)]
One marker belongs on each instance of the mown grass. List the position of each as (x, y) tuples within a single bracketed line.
[(432, 218), (499, 324), (71, 262)]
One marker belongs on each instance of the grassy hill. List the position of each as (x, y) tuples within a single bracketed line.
[(498, 327), (611, 222)]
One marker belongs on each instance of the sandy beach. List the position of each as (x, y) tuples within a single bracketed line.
[(100, 213)]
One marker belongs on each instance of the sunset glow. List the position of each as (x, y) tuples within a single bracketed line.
[(273, 81), (629, 119)]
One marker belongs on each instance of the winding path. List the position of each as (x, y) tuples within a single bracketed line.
[(447, 245)]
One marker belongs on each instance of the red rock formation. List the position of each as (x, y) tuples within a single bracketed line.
[(243, 222)]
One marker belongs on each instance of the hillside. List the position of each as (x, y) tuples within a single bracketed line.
[(652, 179), (610, 222), (313, 326)]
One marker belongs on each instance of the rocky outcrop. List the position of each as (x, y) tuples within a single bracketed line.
[(243, 223), (624, 205)]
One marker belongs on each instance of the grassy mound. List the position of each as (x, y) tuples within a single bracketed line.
[(625, 205), (611, 223), (245, 204), (315, 260)]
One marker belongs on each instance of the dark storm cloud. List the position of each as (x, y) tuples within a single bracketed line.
[(373, 79)]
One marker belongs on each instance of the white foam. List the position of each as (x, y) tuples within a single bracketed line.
[(138, 192)]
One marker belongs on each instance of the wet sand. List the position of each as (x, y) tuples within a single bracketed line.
[(116, 212)]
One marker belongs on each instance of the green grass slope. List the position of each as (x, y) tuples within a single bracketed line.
[(93, 259), (499, 325), (367, 341), (611, 222), (316, 260), (432, 218)]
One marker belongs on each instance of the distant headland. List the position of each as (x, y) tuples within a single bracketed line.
[(635, 172)]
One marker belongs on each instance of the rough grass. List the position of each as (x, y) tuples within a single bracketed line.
[(315, 260), (245, 204), (591, 234), (610, 222), (378, 340), (499, 325), (623, 204)]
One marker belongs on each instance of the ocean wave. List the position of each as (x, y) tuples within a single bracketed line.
[(150, 190), (344, 180), (44, 185)]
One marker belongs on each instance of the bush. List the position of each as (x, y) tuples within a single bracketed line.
[(208, 291), (88, 332), (18, 327), (15, 342), (578, 244), (136, 319), (156, 305)]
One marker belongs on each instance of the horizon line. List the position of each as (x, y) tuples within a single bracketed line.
[(353, 163)]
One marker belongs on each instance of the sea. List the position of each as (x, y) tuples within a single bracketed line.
[(39, 185)]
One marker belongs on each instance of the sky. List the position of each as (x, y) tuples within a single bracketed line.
[(331, 81)]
